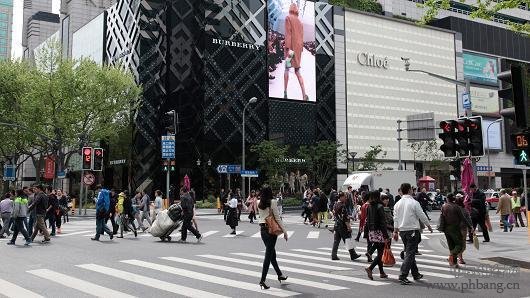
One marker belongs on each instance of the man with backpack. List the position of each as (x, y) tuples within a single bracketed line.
[(102, 211)]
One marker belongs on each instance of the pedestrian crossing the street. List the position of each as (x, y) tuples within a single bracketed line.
[(174, 275)]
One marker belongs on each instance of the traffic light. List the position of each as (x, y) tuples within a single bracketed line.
[(447, 136), (98, 159), (86, 153), (515, 97), (476, 141), (520, 151), (461, 136)]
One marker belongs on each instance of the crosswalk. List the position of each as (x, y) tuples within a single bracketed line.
[(195, 275)]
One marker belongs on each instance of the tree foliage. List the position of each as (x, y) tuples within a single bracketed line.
[(362, 5), (270, 160), (371, 159), (62, 103), (482, 9), (321, 160)]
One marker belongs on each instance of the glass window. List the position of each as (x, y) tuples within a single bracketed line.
[(3, 16), (6, 2)]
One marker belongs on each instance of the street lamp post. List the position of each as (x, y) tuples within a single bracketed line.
[(488, 145), (352, 157), (250, 101)]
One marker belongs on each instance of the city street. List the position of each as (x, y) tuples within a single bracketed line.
[(224, 265)]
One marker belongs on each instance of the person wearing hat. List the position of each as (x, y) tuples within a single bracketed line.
[(124, 209), (505, 209)]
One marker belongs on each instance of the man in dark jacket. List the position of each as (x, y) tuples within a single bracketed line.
[(40, 204), (112, 211), (423, 199), (479, 211), (186, 202), (53, 205)]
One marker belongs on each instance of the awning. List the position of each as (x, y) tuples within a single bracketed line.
[(357, 180), (426, 179)]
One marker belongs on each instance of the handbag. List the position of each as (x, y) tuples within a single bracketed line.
[(511, 219), (376, 236), (475, 241), (388, 258), (272, 225)]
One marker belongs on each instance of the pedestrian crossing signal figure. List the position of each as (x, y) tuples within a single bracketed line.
[(523, 157), (98, 159)]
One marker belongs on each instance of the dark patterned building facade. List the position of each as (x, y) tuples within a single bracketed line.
[(205, 60)]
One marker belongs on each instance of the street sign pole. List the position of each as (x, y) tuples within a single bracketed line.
[(167, 177), (525, 193)]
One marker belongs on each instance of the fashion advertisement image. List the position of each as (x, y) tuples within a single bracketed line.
[(291, 49)]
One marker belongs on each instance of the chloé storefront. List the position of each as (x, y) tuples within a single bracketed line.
[(378, 91)]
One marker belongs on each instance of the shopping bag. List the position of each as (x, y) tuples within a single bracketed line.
[(511, 219), (388, 257), (488, 224), (475, 241)]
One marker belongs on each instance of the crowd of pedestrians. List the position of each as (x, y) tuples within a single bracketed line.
[(33, 210)]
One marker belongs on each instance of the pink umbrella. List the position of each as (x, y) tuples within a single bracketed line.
[(187, 183), (467, 179)]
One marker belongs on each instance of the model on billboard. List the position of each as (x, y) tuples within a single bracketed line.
[(291, 48), (294, 44)]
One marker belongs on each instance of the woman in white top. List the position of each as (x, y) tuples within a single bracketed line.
[(266, 206), (157, 204), (231, 218)]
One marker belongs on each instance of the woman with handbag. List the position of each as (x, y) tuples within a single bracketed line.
[(377, 232), (271, 226)]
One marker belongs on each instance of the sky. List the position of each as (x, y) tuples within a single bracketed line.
[(16, 49)]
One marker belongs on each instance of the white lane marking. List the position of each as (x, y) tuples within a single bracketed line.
[(398, 251), (78, 284), (13, 291), (419, 258), (303, 282), (232, 236), (291, 261), (209, 233), (74, 233), (257, 235), (313, 235), (289, 234), (150, 282), (210, 278), (297, 270), (397, 263)]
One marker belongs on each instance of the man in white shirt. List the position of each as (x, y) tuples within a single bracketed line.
[(407, 216)]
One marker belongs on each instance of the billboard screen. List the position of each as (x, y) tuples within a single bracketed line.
[(480, 69), (291, 49)]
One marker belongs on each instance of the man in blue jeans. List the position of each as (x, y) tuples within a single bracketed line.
[(407, 216)]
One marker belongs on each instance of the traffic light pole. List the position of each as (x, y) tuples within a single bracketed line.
[(167, 177), (81, 191)]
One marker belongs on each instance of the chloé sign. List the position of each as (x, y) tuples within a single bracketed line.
[(369, 59)]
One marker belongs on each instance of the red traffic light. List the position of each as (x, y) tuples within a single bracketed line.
[(446, 126), (87, 151)]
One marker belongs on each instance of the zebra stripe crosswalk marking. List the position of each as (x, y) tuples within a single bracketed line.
[(11, 290), (209, 233), (232, 236), (297, 270), (307, 283), (210, 278), (78, 284), (313, 235), (428, 273), (150, 282)]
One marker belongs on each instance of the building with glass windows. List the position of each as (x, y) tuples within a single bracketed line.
[(6, 22)]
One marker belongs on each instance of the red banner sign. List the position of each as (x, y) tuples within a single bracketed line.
[(49, 167)]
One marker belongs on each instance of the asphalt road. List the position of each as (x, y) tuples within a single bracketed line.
[(222, 265)]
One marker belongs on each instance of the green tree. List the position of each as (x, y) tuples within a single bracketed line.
[(270, 160), (482, 9), (321, 160), (67, 102), (371, 159), (362, 5)]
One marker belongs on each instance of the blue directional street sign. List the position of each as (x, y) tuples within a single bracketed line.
[(233, 169), (228, 169), (9, 173), (484, 168), (249, 173), (221, 169), (168, 147), (466, 101)]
